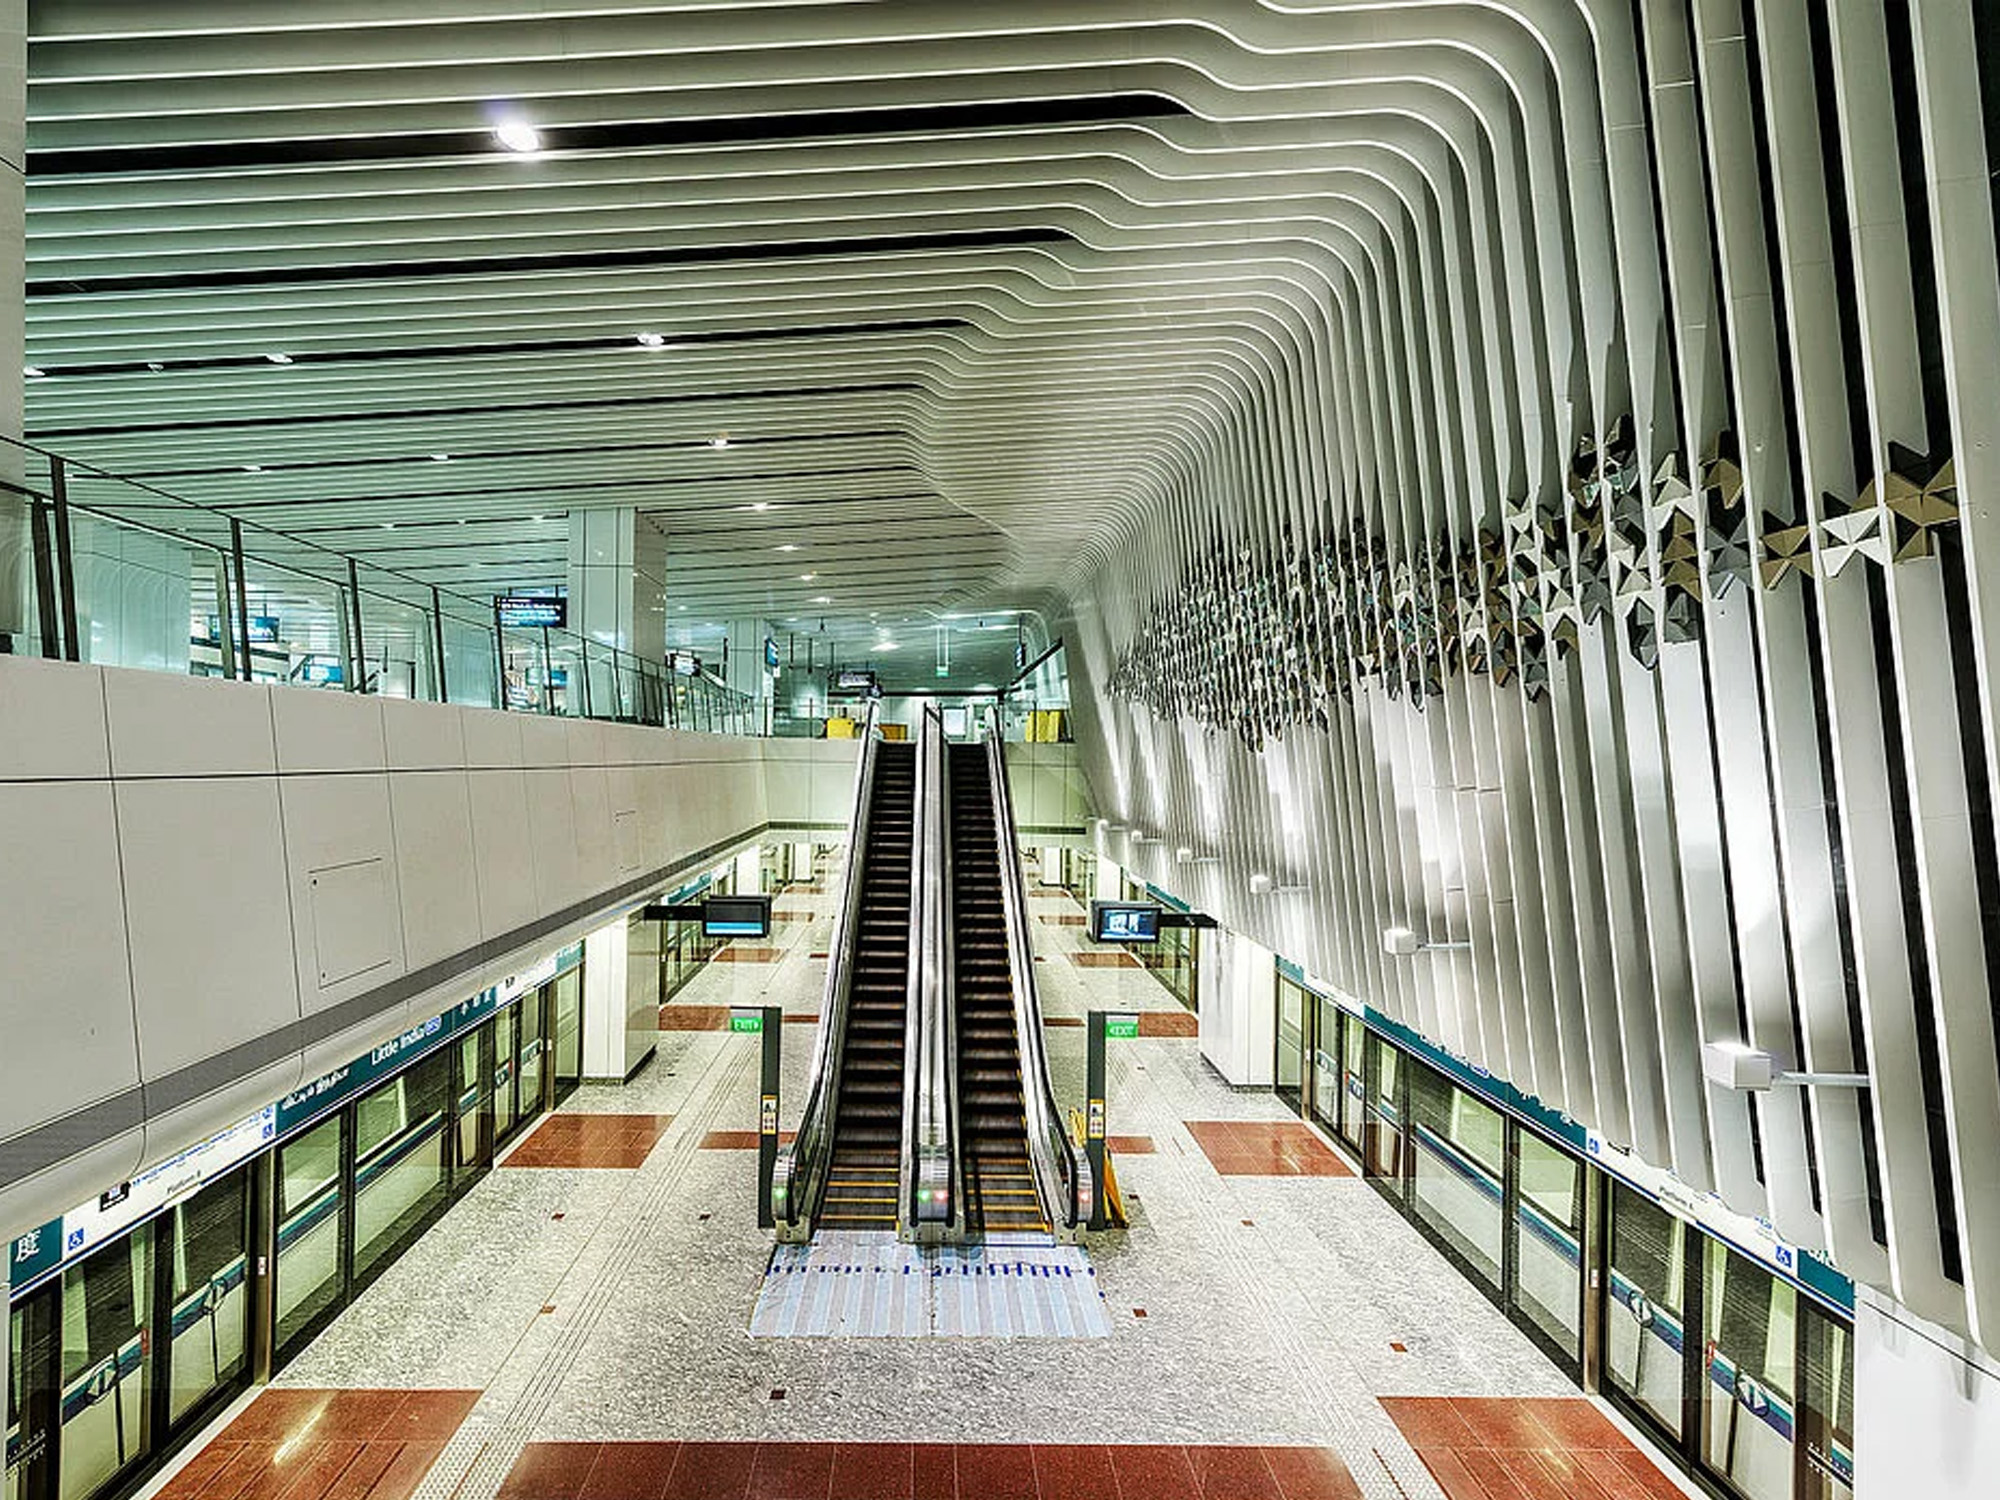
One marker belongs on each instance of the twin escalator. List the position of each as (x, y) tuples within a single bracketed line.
[(930, 1113), (997, 1180), (862, 1176)]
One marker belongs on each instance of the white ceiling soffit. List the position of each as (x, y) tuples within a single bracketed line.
[(968, 287)]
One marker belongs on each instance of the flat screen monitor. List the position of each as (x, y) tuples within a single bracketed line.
[(531, 611), (855, 680), (263, 630), (736, 916), (685, 663), (1125, 921)]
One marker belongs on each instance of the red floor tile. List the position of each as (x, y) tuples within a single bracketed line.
[(277, 1414), (996, 1471), (1129, 1145), (1169, 1023), (629, 1471), (1566, 1476), (405, 1471), (712, 1471), (933, 1472), (1429, 1422), (1573, 1422), (245, 1462), (359, 1478), (1062, 1020), (1311, 1474), (428, 1416), (1233, 1474), (694, 1018), (792, 1471), (319, 1473), (1509, 1474), (1149, 1471), (1652, 1483), (199, 1470), (873, 1471), (1452, 1476), (1500, 1422), (1263, 1148), (1104, 960), (549, 1471), (1074, 1472), (735, 955), (577, 1140)]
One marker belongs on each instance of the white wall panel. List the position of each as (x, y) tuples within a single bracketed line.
[(204, 876), (51, 721), (162, 725), (329, 732), (502, 848), (67, 990), (436, 860)]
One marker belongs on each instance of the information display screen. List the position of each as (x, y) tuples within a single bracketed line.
[(855, 680), (736, 916), (685, 664), (263, 630), (1124, 921), (531, 611)]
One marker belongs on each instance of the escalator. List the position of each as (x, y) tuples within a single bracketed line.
[(863, 1173), (997, 1181)]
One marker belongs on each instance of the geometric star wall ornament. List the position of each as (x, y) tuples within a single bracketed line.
[(1256, 641), (1920, 496)]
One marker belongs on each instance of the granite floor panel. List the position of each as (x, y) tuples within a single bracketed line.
[(1256, 1319)]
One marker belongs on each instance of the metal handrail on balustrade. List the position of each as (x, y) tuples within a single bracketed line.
[(800, 1174), (929, 1174), (1063, 1178)]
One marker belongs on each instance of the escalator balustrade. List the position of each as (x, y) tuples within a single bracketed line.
[(861, 1183), (998, 1181)]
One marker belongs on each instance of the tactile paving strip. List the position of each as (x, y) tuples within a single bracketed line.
[(856, 1285)]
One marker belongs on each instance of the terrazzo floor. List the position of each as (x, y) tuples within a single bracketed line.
[(594, 1305)]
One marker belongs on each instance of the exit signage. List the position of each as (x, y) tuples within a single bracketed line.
[(1121, 1024), (746, 1020)]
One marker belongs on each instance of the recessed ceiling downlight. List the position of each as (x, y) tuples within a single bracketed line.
[(518, 136)]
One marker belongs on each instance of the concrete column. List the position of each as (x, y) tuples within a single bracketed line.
[(1926, 1407), (750, 871), (802, 862), (747, 672), (1109, 882), (1236, 1003), (1051, 866), (16, 566), (617, 591), (621, 998)]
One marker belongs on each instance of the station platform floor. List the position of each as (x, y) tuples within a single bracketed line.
[(578, 1326)]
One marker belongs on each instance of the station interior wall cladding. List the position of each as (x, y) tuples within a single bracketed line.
[(1516, 474)]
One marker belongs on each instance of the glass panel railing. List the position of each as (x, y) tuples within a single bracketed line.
[(119, 572)]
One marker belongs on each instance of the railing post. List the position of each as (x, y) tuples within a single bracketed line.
[(65, 559), (225, 627), (437, 643), (548, 675), (360, 663), (499, 657), (242, 589), (45, 579), (583, 669)]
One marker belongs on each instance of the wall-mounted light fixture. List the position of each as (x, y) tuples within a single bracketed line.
[(1401, 942), (1737, 1065)]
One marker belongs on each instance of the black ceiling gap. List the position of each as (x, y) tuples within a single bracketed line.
[(577, 450), (533, 346), (1006, 114), (484, 409), (233, 277)]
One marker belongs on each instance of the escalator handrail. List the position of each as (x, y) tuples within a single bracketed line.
[(1062, 1171), (928, 1180), (800, 1173)]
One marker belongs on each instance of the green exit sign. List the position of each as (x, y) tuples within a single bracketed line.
[(1121, 1026), (746, 1020)]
